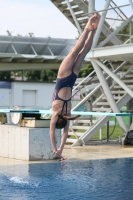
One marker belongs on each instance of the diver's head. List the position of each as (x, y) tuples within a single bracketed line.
[(61, 122)]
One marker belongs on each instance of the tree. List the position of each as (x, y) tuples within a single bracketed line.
[(5, 76), (9, 33), (43, 75), (85, 71), (124, 33), (19, 35), (31, 34)]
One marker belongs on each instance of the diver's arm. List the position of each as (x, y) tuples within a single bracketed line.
[(52, 130), (64, 136)]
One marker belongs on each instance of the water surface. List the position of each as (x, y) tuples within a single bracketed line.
[(110, 179)]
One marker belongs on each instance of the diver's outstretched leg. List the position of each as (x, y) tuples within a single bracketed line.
[(68, 63)]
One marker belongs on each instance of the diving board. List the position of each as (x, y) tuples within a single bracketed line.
[(28, 111)]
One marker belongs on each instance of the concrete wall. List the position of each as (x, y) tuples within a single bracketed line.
[(26, 143)]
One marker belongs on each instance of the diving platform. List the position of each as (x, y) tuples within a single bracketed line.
[(29, 144), (122, 52)]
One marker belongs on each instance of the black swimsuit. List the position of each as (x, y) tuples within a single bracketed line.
[(61, 83)]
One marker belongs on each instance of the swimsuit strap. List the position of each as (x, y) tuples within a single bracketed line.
[(65, 103)]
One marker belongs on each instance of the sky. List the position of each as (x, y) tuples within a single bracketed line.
[(40, 17)]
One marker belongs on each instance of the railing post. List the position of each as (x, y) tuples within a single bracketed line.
[(107, 131)]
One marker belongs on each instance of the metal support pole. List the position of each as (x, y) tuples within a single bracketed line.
[(112, 8), (129, 108), (50, 51), (131, 3), (130, 121), (128, 40), (100, 134), (115, 32), (91, 5), (100, 25), (114, 77), (108, 93), (107, 131), (130, 31), (22, 75), (74, 18), (14, 49)]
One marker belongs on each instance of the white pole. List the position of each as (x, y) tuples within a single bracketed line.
[(100, 134), (91, 5), (100, 25), (131, 3)]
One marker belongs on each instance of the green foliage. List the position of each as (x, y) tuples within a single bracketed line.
[(114, 132), (31, 34), (17, 73), (85, 71), (19, 35), (32, 75), (44, 75), (125, 32), (9, 33), (5, 76), (51, 75)]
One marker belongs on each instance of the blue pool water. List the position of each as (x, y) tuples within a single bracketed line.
[(110, 179)]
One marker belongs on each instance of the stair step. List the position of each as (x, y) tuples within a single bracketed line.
[(76, 133), (84, 121), (115, 97), (69, 140), (64, 6), (81, 127), (127, 81), (83, 21), (87, 121), (102, 103), (77, 9), (129, 76), (118, 92), (79, 15), (100, 109), (118, 86)]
